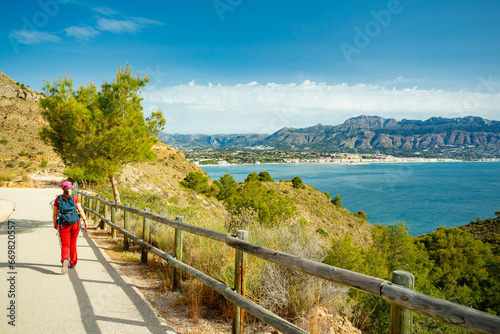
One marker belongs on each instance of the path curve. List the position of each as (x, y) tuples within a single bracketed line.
[(6, 209)]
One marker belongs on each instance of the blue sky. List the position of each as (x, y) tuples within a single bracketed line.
[(236, 66)]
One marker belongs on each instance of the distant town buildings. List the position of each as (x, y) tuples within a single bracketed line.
[(308, 158)]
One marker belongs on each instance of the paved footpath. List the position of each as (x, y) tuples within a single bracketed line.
[(94, 297)]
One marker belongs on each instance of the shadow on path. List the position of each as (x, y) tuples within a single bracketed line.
[(27, 226), (40, 267), (89, 318)]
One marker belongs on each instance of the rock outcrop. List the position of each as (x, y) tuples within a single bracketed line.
[(12, 89)]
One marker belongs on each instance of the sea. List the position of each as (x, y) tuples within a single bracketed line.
[(425, 195)]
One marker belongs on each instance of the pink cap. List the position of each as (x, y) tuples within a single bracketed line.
[(66, 184)]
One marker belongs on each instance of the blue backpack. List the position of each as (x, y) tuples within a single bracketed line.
[(68, 213)]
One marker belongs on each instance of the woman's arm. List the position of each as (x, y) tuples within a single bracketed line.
[(54, 216), (82, 214)]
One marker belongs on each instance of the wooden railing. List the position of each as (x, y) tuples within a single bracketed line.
[(403, 299)]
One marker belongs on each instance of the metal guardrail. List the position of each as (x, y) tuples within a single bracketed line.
[(444, 311)]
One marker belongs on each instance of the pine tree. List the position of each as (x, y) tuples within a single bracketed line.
[(98, 132)]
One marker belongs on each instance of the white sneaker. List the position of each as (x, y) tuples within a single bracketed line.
[(64, 268)]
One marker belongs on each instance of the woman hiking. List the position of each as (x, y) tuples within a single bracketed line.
[(66, 217)]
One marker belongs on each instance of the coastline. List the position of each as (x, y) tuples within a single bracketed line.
[(346, 163)]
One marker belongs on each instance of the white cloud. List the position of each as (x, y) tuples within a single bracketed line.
[(81, 33), (31, 37), (268, 107), (117, 26), (105, 11), (125, 26), (147, 22)]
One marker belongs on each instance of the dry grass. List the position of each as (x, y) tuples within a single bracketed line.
[(193, 291), (291, 293)]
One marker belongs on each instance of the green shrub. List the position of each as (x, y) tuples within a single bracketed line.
[(198, 181), (3, 141), (195, 180), (8, 176), (322, 232), (297, 182), (227, 187), (252, 177), (270, 206), (265, 177), (338, 201)]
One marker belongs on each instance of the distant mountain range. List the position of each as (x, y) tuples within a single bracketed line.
[(180, 141), (363, 133)]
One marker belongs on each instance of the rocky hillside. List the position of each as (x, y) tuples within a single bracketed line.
[(10, 88), (21, 150)]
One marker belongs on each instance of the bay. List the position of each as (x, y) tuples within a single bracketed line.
[(423, 195)]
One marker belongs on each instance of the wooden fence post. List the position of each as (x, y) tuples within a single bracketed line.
[(83, 200), (91, 201), (86, 203), (106, 215), (239, 284), (113, 220), (126, 218), (402, 318), (179, 239), (145, 237), (96, 218)]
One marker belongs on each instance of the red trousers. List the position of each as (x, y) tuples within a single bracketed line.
[(69, 235)]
